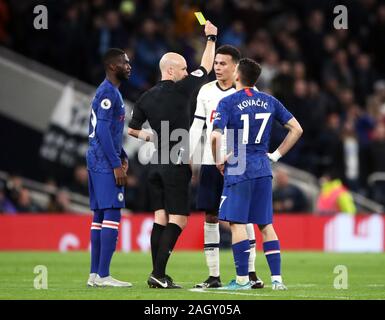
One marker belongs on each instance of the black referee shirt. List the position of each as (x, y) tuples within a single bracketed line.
[(168, 101)]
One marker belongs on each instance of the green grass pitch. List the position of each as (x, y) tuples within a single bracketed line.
[(308, 275)]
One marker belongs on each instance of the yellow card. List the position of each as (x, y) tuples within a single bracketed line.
[(200, 17)]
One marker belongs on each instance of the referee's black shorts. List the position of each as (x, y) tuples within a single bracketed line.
[(169, 188)]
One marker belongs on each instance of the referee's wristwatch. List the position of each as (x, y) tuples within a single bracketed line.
[(212, 37)]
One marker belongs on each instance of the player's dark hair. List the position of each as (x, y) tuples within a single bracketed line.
[(231, 51), (111, 55), (249, 71)]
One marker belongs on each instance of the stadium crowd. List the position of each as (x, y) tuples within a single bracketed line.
[(333, 81)]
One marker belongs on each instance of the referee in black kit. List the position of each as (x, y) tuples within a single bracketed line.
[(166, 106)]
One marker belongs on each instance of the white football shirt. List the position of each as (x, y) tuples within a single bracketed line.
[(207, 101)]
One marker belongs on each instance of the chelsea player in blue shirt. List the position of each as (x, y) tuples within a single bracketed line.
[(107, 165), (247, 193)]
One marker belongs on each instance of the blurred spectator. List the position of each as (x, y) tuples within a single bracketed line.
[(259, 46), (328, 143), (72, 50), (185, 20), (350, 156), (14, 186), (24, 203), (249, 11), (339, 69), (376, 102), (234, 35), (290, 48), (330, 46), (377, 163), (365, 78), (220, 12), (59, 202), (160, 10), (345, 99), (111, 34), (286, 196), (283, 83), (50, 185), (334, 196), (127, 10), (80, 181), (312, 41), (6, 206), (150, 47), (269, 70), (331, 89), (318, 113), (364, 124), (377, 38)]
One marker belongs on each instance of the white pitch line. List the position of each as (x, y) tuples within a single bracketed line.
[(376, 285), (266, 295), (309, 285)]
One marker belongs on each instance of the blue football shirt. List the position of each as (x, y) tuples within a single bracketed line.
[(248, 116), (106, 124)]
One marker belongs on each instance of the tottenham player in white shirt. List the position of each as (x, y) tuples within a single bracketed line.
[(211, 180)]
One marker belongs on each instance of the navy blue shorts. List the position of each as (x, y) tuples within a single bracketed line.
[(248, 201), (104, 193), (210, 188)]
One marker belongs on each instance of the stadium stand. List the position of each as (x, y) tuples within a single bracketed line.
[(333, 81)]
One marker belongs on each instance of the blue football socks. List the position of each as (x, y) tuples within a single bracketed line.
[(273, 256), (241, 252), (96, 228), (108, 239)]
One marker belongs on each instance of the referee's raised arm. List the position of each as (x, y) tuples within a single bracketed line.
[(173, 67), (207, 61)]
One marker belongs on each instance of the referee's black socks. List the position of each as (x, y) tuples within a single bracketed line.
[(166, 245), (156, 233)]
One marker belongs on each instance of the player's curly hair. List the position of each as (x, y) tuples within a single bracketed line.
[(249, 71)]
